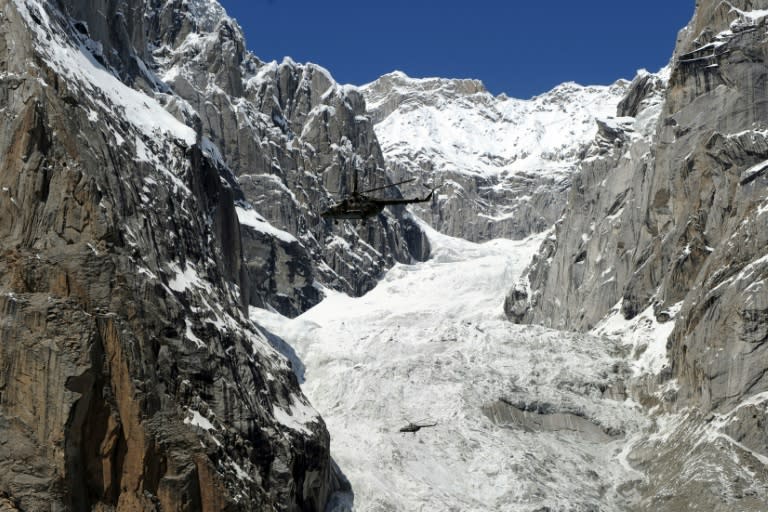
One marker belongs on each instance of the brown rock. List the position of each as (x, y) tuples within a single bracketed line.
[(123, 294)]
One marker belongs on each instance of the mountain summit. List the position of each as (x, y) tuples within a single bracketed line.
[(504, 164)]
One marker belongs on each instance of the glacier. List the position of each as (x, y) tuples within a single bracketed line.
[(527, 417)]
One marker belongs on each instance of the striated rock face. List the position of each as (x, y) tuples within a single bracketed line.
[(289, 133), (130, 375), (505, 165), (591, 249), (675, 220), (293, 138)]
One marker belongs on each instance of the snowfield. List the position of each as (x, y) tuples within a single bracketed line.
[(504, 165), (526, 417), (441, 125)]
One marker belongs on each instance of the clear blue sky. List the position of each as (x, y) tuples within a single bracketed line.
[(522, 48)]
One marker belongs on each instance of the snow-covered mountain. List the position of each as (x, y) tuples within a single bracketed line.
[(527, 418), (504, 164), (518, 417), (671, 224), (292, 136), (159, 197)]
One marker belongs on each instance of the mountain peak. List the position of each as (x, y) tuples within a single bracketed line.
[(488, 151), (207, 13), (399, 79)]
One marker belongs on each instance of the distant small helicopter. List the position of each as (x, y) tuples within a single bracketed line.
[(415, 427), (358, 206)]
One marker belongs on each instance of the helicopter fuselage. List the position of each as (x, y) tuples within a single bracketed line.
[(354, 209), (361, 207)]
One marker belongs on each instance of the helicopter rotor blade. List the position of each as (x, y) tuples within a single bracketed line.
[(387, 186)]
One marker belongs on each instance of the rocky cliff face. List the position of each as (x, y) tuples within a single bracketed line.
[(130, 375), (672, 222), (599, 220), (293, 138), (289, 133), (505, 165)]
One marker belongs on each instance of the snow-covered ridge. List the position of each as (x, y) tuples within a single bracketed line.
[(460, 126), (207, 13), (77, 64), (504, 164), (397, 83)]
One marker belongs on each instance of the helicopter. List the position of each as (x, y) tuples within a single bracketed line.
[(415, 427), (359, 206)]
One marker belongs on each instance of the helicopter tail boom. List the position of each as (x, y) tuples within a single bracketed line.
[(407, 201)]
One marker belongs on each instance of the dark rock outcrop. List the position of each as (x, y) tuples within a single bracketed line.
[(293, 138)]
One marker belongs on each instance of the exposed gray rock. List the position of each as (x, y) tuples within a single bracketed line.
[(693, 462), (544, 418), (293, 138), (275, 265), (287, 131), (576, 277), (675, 218)]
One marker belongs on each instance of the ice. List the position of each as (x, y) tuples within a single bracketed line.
[(644, 334), (185, 279), (431, 343), (296, 416), (198, 420), (753, 15), (191, 335), (753, 172), (510, 135), (748, 271), (239, 472), (207, 14)]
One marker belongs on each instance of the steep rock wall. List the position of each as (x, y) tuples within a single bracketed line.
[(130, 375), (581, 268), (687, 225), (293, 138), (288, 132), (676, 224)]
